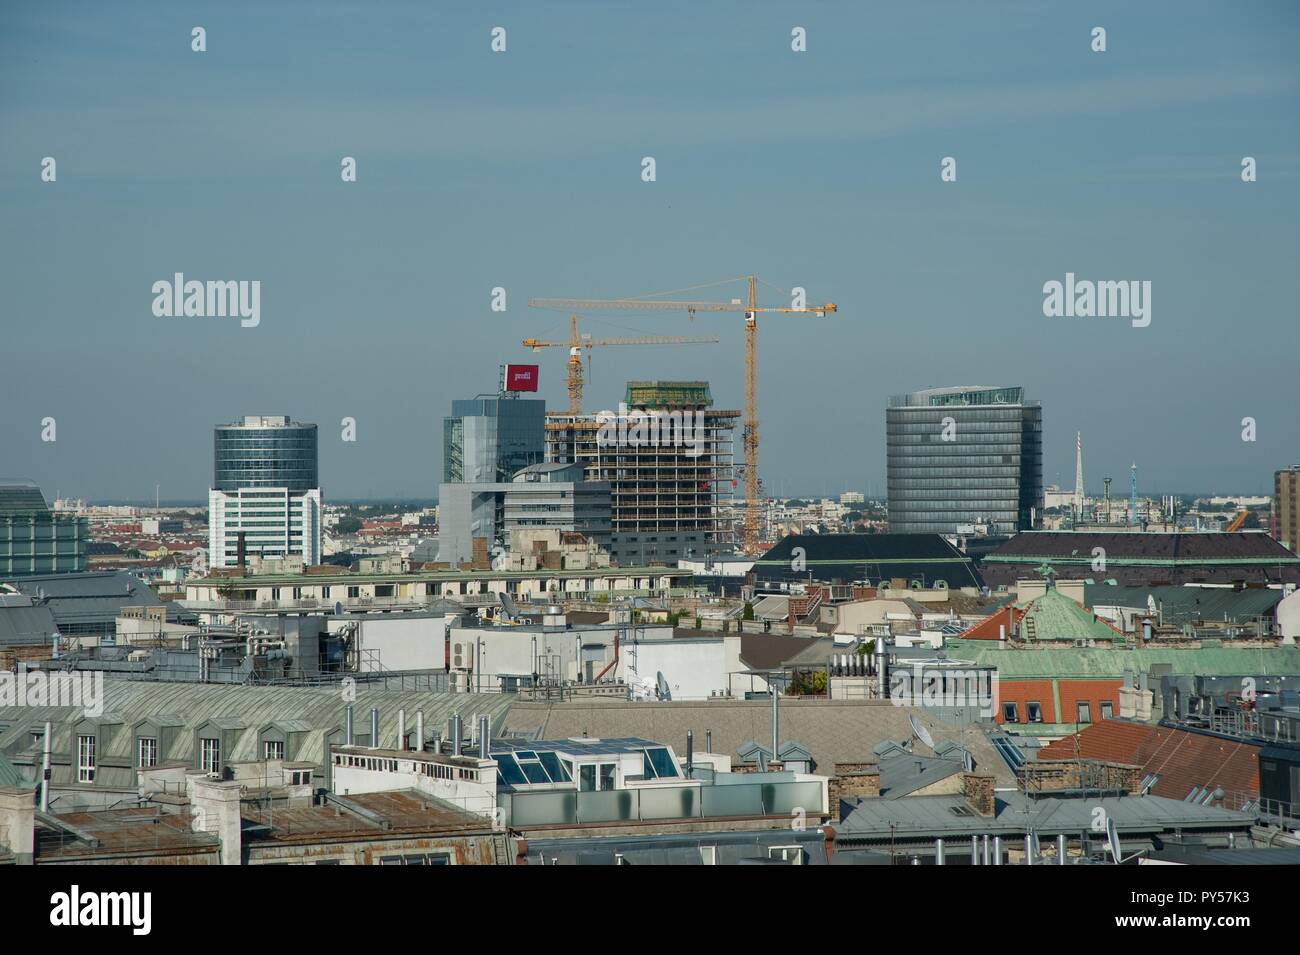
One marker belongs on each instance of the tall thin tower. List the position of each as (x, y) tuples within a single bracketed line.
[(1133, 494), (1078, 475)]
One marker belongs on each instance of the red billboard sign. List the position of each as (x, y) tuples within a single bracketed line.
[(521, 378)]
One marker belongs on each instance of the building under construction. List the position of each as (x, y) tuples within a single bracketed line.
[(667, 455)]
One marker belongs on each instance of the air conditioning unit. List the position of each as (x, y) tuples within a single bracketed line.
[(462, 656)]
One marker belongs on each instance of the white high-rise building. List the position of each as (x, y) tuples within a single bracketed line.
[(265, 486)]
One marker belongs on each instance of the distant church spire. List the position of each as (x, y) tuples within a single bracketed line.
[(1078, 474)]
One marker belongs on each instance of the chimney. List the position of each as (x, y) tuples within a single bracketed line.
[(347, 725), (18, 822), (690, 751), (374, 727), (401, 730), (457, 734), (419, 731), (978, 790), (484, 737), (241, 552), (850, 781), (46, 743), (216, 810)]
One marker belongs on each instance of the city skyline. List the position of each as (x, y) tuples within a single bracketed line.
[(1123, 166)]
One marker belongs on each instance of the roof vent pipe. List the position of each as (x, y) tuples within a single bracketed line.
[(45, 766), (401, 730), (457, 734), (708, 741), (347, 724), (374, 727), (690, 751), (484, 737), (419, 731)]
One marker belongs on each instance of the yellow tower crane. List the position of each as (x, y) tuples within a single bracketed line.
[(751, 308), (576, 344)]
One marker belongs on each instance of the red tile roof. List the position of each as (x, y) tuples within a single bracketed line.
[(1182, 759)]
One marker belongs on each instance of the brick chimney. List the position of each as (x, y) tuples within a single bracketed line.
[(851, 780), (978, 790)]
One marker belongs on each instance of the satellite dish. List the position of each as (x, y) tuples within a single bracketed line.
[(665, 693), (920, 732), (1112, 838)]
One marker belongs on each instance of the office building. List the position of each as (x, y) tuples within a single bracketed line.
[(667, 455), (964, 461), (540, 497), (1286, 508), (490, 439), (266, 486), (36, 540)]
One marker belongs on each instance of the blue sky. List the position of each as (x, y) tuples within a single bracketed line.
[(522, 170)]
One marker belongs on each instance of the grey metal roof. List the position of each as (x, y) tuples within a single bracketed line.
[(904, 773), (935, 816), (23, 622), (1181, 605), (244, 710), (96, 597), (833, 731)]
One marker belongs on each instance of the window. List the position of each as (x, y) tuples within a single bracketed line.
[(273, 749), (210, 755), (301, 777), (789, 854), (1035, 712), (146, 751), (85, 759), (658, 764), (587, 778), (1009, 713), (1107, 710), (607, 775), (1084, 714)]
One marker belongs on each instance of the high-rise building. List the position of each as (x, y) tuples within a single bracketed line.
[(667, 455), (490, 439), (963, 458), (1286, 508), (265, 485), (541, 497), (36, 540)]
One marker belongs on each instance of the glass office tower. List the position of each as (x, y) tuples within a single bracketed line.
[(961, 459), (36, 540), (265, 451), (265, 485), (489, 440)]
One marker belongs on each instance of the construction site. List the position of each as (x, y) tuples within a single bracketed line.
[(654, 504), (670, 500)]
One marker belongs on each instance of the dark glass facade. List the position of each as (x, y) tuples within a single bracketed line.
[(265, 452), (492, 439), (963, 456)]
